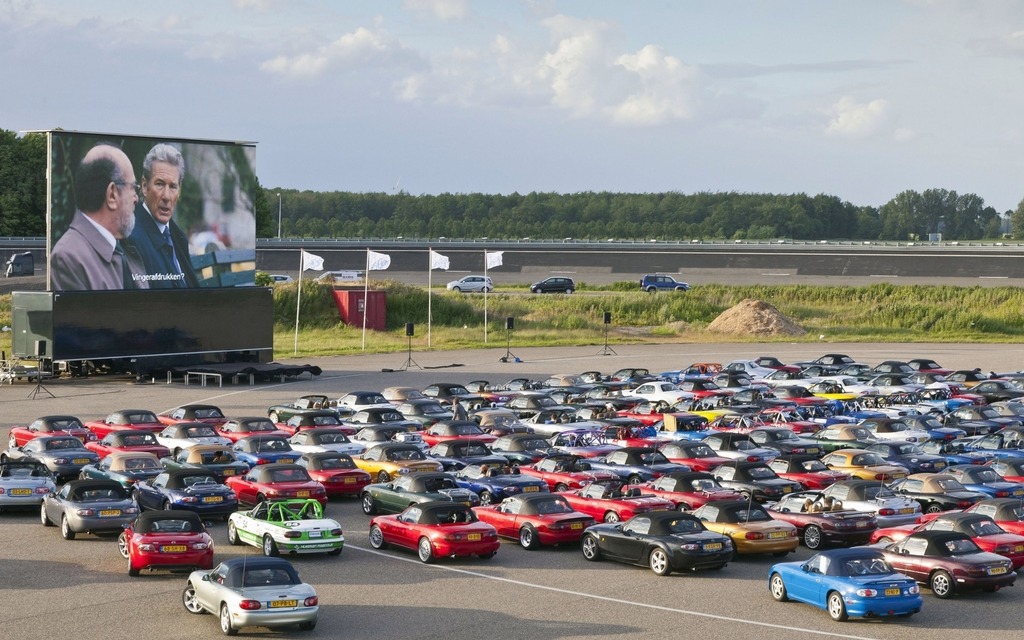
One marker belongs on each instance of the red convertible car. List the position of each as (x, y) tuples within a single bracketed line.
[(49, 426), (688, 490), (174, 540), (818, 526), (935, 557), (536, 519), (235, 430), (273, 481), (806, 469), (614, 501), (128, 440), (336, 471), (696, 455), (983, 530), (436, 530), (564, 472), (126, 419), (1008, 513)]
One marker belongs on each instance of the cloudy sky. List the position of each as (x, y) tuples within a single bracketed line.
[(856, 99)]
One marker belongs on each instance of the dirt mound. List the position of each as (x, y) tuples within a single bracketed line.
[(754, 317)]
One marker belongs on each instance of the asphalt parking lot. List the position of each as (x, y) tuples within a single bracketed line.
[(52, 587)]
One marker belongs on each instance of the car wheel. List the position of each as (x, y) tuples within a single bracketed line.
[(611, 516), (225, 621), (487, 556), (425, 551), (590, 547), (812, 537), (836, 607), (188, 598), (885, 539), (369, 504), (335, 552), (12, 442), (233, 534), (652, 290), (65, 529), (777, 587), (933, 508), (486, 497), (274, 417), (269, 546), (382, 476), (122, 544), (176, 452), (45, 519), (941, 584), (561, 486), (377, 538), (309, 625), (456, 289), (488, 289), (682, 506), (568, 291), (166, 506), (658, 561), (132, 571), (528, 537), (634, 479)]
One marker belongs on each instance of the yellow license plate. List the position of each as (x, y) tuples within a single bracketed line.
[(995, 571), (229, 472), (302, 494), (907, 510), (287, 460), (209, 499), (814, 450), (110, 512), (350, 480), (21, 492), (530, 489), (787, 489), (778, 534), (1018, 548), (940, 465), (576, 525), (280, 604), (473, 537), (80, 461), (714, 546), (174, 548), (1018, 492), (892, 592)]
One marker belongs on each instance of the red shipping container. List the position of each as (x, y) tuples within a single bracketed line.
[(351, 307)]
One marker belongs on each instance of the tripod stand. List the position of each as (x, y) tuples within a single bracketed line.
[(39, 383), (607, 351), (509, 356), (409, 362)]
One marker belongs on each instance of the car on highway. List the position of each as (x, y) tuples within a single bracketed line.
[(468, 284), (554, 285)]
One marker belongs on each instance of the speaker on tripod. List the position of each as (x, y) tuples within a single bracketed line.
[(510, 324), (410, 331), (607, 351)]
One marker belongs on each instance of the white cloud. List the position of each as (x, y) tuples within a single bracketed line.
[(665, 89), (359, 49), (854, 120), (444, 10), (257, 5)]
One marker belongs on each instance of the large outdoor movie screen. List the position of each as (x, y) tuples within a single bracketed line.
[(136, 213)]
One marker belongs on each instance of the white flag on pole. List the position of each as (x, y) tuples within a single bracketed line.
[(377, 261), (493, 258), (311, 262), (438, 261)]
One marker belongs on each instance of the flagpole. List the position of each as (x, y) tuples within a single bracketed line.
[(298, 300), (366, 295), (485, 296), (430, 292)]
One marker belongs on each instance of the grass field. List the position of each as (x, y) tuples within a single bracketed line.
[(877, 313)]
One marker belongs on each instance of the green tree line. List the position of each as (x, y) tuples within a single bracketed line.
[(910, 215)]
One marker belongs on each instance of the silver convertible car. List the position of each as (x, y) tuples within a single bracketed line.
[(93, 506), (252, 592)]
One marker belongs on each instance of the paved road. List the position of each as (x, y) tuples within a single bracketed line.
[(54, 587)]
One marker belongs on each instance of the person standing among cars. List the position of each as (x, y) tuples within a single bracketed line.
[(91, 254), (158, 238)]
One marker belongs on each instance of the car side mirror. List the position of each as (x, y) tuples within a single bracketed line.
[(206, 577)]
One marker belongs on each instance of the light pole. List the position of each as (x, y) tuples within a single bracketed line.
[(278, 216)]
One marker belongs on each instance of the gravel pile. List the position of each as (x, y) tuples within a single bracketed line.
[(757, 318)]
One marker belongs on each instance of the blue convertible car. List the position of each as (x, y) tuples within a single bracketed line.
[(846, 582)]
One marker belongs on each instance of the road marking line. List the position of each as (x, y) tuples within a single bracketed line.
[(687, 612)]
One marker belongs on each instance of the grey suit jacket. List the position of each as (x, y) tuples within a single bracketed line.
[(82, 260)]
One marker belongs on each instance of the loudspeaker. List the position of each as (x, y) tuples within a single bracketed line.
[(409, 329), (40, 347), (607, 317), (510, 323)]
